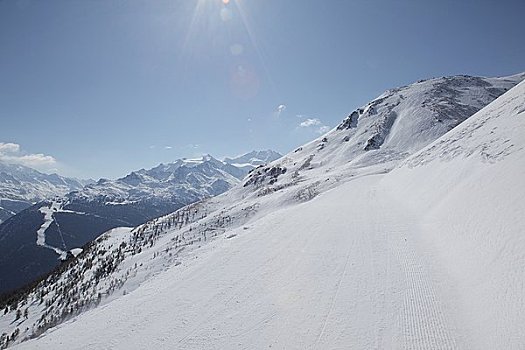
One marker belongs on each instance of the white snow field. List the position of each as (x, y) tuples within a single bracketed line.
[(429, 255)]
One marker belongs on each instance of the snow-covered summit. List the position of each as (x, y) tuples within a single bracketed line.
[(21, 186), (194, 178), (388, 129), (253, 159), (184, 178)]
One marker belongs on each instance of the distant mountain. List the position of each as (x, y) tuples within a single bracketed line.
[(325, 238), (21, 187), (33, 241), (190, 179), (253, 159)]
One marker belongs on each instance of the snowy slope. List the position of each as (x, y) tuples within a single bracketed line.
[(315, 251), (21, 186), (468, 192), (396, 124)]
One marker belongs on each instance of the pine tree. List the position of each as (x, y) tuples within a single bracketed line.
[(18, 314)]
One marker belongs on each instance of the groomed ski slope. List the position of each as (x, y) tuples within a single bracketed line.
[(429, 256), (331, 273)]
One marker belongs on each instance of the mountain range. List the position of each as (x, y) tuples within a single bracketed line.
[(37, 239)]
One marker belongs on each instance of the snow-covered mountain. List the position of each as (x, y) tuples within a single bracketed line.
[(253, 159), (191, 179), (325, 247), (21, 187), (32, 241)]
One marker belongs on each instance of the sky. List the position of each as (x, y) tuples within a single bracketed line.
[(98, 88)]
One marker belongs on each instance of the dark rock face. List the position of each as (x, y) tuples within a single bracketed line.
[(382, 128), (265, 175), (350, 121)]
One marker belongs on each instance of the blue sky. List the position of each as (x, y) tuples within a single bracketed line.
[(98, 88)]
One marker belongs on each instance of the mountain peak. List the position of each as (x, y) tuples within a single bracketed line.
[(253, 159)]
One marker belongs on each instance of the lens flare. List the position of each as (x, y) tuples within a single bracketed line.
[(226, 24), (244, 82), (236, 49), (226, 14)]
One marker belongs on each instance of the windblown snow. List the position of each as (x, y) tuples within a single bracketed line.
[(327, 247)]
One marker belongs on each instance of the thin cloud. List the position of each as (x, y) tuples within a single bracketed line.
[(314, 124), (323, 129), (280, 109), (9, 148), (310, 122), (11, 153)]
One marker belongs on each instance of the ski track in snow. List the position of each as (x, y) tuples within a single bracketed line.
[(423, 323), (49, 218), (334, 299)]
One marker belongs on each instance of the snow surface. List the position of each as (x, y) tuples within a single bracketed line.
[(76, 251), (316, 252), (49, 210)]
